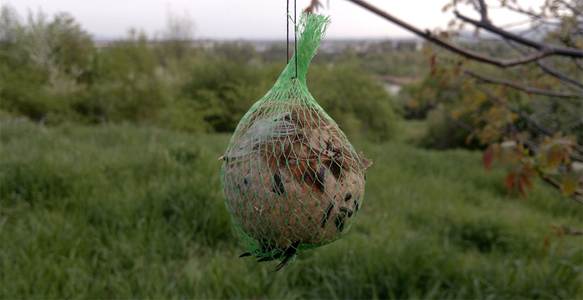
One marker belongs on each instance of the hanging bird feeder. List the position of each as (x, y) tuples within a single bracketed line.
[(291, 178)]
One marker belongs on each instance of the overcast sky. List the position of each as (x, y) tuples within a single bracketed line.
[(245, 19)]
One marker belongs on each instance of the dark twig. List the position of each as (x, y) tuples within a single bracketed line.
[(536, 126), (553, 50), (483, 8), (519, 23), (523, 11), (426, 34), (577, 155), (577, 195), (535, 17), (566, 230), (563, 78), (543, 50), (313, 6), (578, 64), (571, 7), (520, 87), (559, 75), (533, 124)]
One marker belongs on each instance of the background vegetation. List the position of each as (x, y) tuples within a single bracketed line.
[(109, 179), (165, 84)]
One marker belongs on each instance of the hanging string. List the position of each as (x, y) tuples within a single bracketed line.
[(287, 18), (287, 33), (296, 37)]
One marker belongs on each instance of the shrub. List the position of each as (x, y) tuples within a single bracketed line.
[(223, 90), (358, 103), (445, 132), (141, 82)]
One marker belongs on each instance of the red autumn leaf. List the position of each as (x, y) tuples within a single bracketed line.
[(523, 184), (488, 158), (509, 181)]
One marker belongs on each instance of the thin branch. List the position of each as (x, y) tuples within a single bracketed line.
[(559, 75), (484, 11), (516, 24), (520, 87), (571, 7), (535, 17), (534, 27), (523, 11), (577, 195), (313, 6), (578, 64), (533, 123), (566, 230), (564, 79), (427, 35), (554, 50)]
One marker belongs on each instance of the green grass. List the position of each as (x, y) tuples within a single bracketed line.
[(123, 211)]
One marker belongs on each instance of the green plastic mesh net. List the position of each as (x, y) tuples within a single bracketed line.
[(291, 178)]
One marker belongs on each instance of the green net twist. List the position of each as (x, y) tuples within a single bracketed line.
[(291, 178)]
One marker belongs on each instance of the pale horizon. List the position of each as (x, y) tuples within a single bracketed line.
[(246, 20)]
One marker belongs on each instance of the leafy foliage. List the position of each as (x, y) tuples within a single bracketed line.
[(169, 84), (510, 125), (354, 99)]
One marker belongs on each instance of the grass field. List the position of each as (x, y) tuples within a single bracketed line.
[(129, 212)]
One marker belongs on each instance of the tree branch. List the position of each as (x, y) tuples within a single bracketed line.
[(577, 196), (572, 83), (520, 87), (540, 129), (572, 8), (523, 11), (543, 50), (534, 124), (578, 64), (427, 35), (565, 230), (484, 11), (553, 50), (557, 74), (313, 6)]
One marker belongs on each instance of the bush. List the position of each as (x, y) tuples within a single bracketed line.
[(43, 65), (445, 132), (358, 102), (442, 99), (437, 87), (141, 82), (223, 89)]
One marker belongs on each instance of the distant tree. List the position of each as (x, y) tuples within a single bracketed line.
[(43, 60), (178, 34), (9, 24), (57, 46)]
